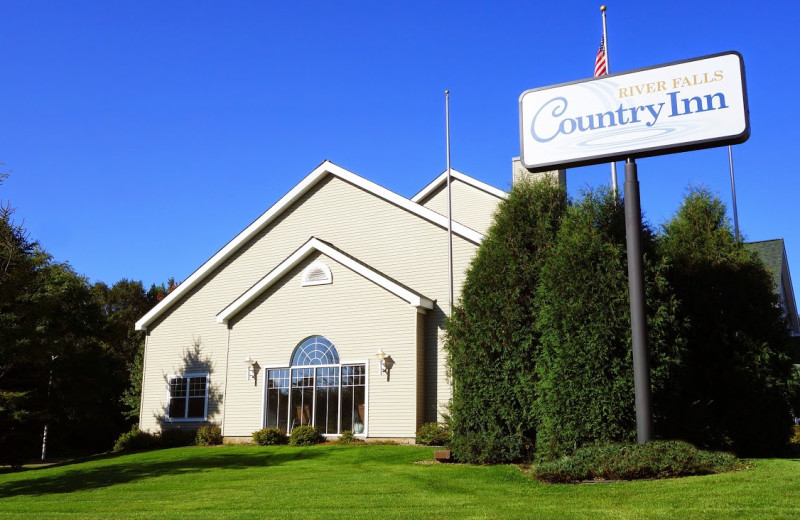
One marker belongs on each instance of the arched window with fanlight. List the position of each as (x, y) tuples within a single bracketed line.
[(317, 390)]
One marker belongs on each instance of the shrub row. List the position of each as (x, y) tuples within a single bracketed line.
[(136, 439), (301, 436), (657, 459)]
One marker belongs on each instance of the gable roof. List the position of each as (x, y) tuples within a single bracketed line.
[(311, 180), (314, 244), (455, 174)]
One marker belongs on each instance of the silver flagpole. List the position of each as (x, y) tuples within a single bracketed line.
[(449, 202), (608, 71), (733, 192)]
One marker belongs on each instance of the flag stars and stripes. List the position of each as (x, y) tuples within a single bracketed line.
[(600, 63)]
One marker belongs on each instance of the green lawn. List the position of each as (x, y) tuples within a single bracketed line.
[(370, 482)]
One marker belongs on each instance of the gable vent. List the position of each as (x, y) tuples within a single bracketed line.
[(316, 273)]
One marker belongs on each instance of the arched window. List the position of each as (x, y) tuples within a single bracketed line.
[(317, 390), (315, 350)]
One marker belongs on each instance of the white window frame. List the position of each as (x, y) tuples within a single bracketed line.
[(339, 365), (169, 397)]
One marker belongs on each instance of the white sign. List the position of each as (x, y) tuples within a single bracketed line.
[(680, 106)]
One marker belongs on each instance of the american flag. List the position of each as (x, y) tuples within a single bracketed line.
[(600, 65)]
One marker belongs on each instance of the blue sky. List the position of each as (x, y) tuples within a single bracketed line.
[(142, 136)]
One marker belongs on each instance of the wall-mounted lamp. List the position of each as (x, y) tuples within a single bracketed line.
[(386, 362), (252, 367)]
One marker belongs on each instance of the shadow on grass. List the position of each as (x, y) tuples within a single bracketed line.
[(91, 476)]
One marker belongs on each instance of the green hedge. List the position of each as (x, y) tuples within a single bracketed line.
[(658, 459)]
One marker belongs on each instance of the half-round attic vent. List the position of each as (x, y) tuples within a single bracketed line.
[(316, 273)]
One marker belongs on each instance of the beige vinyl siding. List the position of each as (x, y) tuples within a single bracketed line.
[(419, 319), (357, 316), (184, 343), (390, 239), (472, 206)]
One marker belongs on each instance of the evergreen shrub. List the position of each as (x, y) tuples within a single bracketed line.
[(135, 440), (657, 459), (491, 341), (433, 434), (584, 386), (733, 386), (174, 437), (347, 438), (270, 437), (304, 436), (208, 436)]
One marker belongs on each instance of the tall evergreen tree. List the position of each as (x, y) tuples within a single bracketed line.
[(585, 371), (734, 386), (491, 340)]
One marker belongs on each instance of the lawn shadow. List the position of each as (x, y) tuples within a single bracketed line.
[(125, 471)]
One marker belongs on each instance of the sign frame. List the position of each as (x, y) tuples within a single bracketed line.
[(646, 151)]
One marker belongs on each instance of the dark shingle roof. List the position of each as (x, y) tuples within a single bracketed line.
[(771, 253)]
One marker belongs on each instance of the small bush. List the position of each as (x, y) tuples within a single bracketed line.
[(174, 437), (347, 437), (208, 436), (795, 434), (657, 459), (135, 440), (433, 434), (304, 436), (270, 437)]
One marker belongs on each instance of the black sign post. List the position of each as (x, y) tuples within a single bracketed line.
[(641, 361)]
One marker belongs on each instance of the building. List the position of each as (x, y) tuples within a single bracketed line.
[(327, 310)]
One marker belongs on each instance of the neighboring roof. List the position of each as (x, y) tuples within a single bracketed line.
[(455, 174), (319, 173), (311, 246), (771, 253)]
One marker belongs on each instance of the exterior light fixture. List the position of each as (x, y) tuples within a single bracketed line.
[(252, 367), (386, 362)]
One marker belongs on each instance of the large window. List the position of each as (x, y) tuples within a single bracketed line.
[(317, 390), (188, 396)]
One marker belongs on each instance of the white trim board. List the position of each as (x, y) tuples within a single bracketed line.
[(321, 171), (314, 244), (455, 174)]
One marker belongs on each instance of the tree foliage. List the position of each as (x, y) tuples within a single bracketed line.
[(65, 351), (585, 370), (735, 381), (539, 347), (491, 341)]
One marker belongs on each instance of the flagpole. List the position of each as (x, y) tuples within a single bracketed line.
[(449, 202), (733, 192), (608, 71)]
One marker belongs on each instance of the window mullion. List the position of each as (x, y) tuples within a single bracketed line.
[(314, 398)]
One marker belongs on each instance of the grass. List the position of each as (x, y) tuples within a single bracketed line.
[(353, 482)]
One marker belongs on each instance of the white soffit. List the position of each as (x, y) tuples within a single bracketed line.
[(298, 256), (455, 174), (286, 201)]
